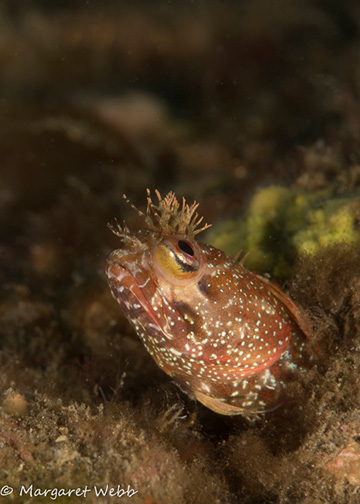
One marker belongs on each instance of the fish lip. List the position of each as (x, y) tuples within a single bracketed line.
[(120, 276), (117, 268), (120, 261), (114, 270)]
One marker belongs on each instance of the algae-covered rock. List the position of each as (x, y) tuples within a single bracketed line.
[(334, 222), (283, 223)]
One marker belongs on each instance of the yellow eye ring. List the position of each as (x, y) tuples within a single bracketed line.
[(178, 259)]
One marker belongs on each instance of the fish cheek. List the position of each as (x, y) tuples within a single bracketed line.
[(192, 319), (204, 284)]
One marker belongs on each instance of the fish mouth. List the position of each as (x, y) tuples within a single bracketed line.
[(120, 271), (126, 290), (115, 272)]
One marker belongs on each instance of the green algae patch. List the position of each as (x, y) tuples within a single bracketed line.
[(335, 222), (283, 223)]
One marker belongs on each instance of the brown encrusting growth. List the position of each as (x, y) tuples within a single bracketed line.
[(218, 102)]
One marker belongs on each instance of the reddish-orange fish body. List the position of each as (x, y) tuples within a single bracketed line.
[(230, 338)]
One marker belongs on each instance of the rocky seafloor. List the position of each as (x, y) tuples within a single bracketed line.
[(251, 108)]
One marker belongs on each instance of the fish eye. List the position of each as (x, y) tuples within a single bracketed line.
[(177, 259), (186, 247)]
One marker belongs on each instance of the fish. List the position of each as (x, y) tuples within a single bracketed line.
[(230, 338)]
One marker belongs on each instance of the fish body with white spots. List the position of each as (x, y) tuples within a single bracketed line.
[(230, 338)]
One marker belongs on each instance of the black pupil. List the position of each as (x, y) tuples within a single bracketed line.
[(185, 247)]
